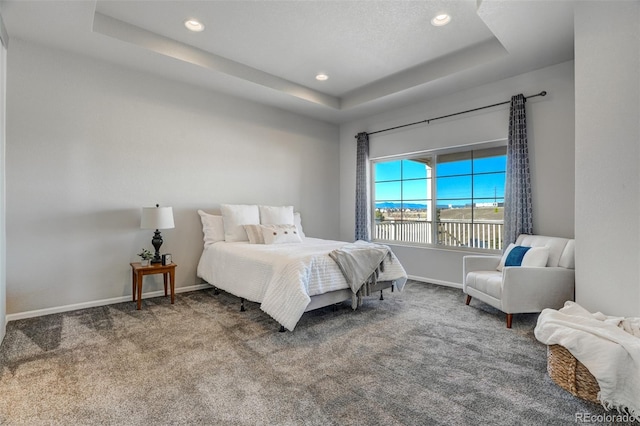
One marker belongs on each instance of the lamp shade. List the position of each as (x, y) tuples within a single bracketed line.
[(157, 218)]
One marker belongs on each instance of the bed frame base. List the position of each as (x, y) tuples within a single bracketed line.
[(382, 296), (330, 298)]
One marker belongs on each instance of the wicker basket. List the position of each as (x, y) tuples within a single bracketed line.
[(570, 374)]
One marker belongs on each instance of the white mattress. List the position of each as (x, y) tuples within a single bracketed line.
[(281, 277)]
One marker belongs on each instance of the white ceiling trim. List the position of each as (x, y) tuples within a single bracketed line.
[(450, 64), (126, 32)]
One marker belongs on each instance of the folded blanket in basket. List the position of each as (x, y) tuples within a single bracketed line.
[(360, 263), (608, 346)]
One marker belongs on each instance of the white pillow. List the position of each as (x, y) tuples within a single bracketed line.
[(298, 222), (534, 257), (235, 216), (254, 232), (280, 234), (212, 228), (272, 215)]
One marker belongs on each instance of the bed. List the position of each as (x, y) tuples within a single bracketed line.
[(288, 277)]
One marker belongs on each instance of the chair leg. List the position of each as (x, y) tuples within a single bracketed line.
[(509, 320), (468, 300)]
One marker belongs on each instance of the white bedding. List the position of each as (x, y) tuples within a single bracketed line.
[(281, 277)]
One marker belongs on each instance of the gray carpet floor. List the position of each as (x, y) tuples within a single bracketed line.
[(420, 357)]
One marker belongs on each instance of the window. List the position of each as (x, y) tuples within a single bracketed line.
[(444, 198)]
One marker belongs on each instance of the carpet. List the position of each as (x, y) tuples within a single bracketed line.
[(419, 357)]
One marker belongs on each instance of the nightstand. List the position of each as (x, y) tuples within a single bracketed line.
[(138, 272)]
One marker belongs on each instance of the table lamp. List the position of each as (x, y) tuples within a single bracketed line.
[(157, 218)]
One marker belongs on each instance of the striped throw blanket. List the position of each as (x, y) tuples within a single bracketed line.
[(361, 263)]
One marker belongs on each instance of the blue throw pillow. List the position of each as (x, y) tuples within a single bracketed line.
[(515, 256)]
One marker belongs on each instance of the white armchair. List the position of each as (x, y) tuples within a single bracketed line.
[(523, 289)]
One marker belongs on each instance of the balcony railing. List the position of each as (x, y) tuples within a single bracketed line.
[(457, 233)]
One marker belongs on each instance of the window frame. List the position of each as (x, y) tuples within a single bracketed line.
[(433, 202)]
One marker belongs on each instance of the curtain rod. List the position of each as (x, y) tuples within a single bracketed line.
[(543, 93)]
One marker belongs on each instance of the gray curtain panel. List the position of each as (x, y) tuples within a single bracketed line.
[(363, 215), (518, 217)]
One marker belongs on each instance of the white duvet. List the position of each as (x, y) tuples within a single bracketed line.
[(282, 277)]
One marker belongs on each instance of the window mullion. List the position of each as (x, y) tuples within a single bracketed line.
[(434, 197), (473, 204), (401, 224)]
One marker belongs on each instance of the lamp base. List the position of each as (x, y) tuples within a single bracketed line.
[(156, 242)]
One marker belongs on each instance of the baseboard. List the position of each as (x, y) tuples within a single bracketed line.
[(432, 281), (92, 304), (103, 302)]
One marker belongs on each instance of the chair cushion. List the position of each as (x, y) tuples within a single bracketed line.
[(556, 246), (488, 282), (567, 260)]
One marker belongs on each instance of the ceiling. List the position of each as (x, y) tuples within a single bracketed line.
[(378, 54)]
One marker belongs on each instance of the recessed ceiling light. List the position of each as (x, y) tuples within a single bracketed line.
[(322, 77), (440, 20), (194, 25)]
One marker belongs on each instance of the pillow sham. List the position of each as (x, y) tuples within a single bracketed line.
[(273, 215), (212, 228), (297, 220), (254, 232), (280, 234), (235, 216), (524, 256)]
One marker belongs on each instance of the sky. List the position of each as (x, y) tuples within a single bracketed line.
[(454, 181)]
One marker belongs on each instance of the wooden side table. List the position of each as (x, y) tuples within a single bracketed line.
[(138, 272)]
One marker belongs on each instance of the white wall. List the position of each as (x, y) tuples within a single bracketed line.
[(89, 144), (607, 118), (551, 148)]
